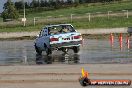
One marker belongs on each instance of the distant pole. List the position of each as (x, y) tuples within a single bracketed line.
[(72, 17), (24, 12), (89, 17)]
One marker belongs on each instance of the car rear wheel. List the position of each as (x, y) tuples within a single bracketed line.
[(37, 50), (76, 49)]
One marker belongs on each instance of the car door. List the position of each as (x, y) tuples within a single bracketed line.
[(43, 39)]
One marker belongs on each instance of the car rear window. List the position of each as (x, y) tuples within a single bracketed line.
[(60, 29)]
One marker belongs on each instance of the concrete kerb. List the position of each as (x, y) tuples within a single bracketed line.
[(83, 31), (18, 34), (103, 31)]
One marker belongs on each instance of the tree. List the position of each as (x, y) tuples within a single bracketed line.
[(57, 4), (9, 11), (76, 2), (19, 5), (34, 4), (84, 1), (42, 4), (69, 2)]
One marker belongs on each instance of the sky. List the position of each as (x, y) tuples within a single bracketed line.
[(3, 1)]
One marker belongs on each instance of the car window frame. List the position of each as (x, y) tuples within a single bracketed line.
[(43, 32)]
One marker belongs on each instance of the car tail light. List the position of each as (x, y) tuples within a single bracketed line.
[(54, 39), (77, 37)]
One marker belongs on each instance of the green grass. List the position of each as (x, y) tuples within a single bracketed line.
[(98, 22), (103, 22), (1, 19), (22, 29), (83, 23), (86, 8)]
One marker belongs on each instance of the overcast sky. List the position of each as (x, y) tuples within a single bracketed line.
[(3, 1)]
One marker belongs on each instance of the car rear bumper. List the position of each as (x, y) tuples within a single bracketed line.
[(66, 44)]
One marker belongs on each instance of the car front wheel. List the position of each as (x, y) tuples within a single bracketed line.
[(37, 50), (48, 50)]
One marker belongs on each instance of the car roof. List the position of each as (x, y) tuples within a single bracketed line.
[(58, 25)]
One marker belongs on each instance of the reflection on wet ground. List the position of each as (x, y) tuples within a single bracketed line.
[(63, 58), (93, 51)]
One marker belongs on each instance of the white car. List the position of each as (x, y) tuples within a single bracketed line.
[(58, 37)]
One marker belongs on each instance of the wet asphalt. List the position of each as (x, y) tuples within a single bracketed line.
[(94, 51)]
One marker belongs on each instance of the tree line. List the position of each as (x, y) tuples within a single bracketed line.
[(55, 3), (45, 5)]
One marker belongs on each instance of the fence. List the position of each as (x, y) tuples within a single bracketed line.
[(89, 16), (71, 18)]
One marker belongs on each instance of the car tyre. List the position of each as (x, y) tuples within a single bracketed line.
[(37, 50), (48, 50), (76, 49)]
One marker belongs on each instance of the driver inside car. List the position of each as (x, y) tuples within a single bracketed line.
[(64, 30)]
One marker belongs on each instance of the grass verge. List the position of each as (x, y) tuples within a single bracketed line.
[(82, 23)]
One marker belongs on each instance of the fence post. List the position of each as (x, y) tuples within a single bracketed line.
[(127, 15), (109, 14), (71, 17), (89, 16), (34, 20)]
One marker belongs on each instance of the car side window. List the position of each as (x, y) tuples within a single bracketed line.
[(45, 32), (41, 33), (70, 28)]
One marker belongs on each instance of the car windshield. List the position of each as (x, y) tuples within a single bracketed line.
[(60, 29)]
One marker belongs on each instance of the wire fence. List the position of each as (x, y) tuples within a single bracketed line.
[(69, 19)]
